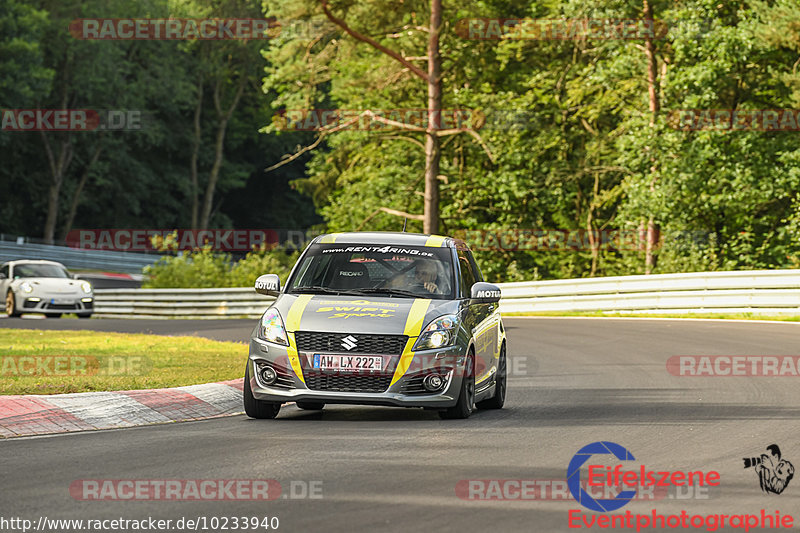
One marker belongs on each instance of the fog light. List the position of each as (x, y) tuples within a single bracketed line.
[(267, 375), (34, 299), (86, 300), (433, 382)]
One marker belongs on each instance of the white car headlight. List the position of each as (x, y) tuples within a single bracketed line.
[(26, 287), (439, 333), (271, 327), (87, 287)]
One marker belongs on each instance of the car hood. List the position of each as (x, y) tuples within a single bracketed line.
[(358, 314), (52, 285)]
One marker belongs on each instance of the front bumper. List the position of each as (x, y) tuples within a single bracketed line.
[(54, 303), (407, 391)]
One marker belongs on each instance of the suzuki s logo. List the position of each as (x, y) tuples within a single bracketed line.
[(349, 342)]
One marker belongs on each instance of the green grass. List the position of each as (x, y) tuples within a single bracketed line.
[(727, 316), (83, 361)]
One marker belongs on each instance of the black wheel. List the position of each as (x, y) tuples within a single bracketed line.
[(257, 408), (89, 315), (53, 315), (11, 305), (466, 397), (499, 398), (310, 406)]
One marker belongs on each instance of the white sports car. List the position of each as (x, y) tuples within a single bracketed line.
[(44, 287)]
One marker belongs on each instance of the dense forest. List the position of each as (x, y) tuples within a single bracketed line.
[(564, 130)]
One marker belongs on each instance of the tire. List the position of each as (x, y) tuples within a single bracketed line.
[(310, 406), (466, 396), (257, 408), (53, 315), (499, 399), (85, 315), (11, 306)]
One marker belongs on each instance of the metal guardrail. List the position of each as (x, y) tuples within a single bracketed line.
[(128, 262), (180, 303), (746, 291), (752, 291)]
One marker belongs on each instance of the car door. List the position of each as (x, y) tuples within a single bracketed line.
[(4, 281), (478, 320), (492, 330)]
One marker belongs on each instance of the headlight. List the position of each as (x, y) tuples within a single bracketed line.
[(271, 328), (26, 287), (86, 286), (439, 333)]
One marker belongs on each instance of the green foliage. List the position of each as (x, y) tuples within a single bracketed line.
[(587, 153), (569, 143), (205, 268)]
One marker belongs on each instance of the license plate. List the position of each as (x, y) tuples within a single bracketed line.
[(63, 301), (348, 362)]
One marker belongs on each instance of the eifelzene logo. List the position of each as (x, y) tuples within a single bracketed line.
[(349, 342)]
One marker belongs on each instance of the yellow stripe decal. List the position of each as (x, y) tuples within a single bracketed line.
[(296, 312), (292, 324), (413, 327), (294, 359), (435, 241)]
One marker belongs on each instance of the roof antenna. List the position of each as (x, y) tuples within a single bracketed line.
[(405, 221)]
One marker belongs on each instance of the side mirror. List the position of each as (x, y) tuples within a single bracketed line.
[(485, 293), (268, 285), (3, 276)]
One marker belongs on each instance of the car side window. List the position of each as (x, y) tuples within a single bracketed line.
[(476, 272), (4, 270), (467, 276)]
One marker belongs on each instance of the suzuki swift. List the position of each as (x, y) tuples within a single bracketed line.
[(395, 319)]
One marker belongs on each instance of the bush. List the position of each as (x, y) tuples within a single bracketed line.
[(204, 268)]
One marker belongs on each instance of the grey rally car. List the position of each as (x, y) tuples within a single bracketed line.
[(395, 319)]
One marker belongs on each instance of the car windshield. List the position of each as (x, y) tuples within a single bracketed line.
[(39, 271), (391, 270)]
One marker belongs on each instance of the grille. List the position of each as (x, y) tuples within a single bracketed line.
[(62, 307), (28, 304), (413, 385), (348, 383), (312, 341)]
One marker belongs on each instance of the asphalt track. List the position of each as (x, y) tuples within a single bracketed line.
[(575, 381)]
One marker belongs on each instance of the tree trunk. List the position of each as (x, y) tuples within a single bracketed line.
[(652, 73), (58, 167), (195, 153), (219, 145), (593, 244), (430, 223), (76, 197)]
